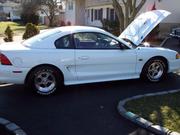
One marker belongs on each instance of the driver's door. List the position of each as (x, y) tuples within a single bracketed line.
[(99, 57)]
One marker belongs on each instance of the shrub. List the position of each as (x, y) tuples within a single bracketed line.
[(8, 34), (68, 23), (62, 23), (111, 26), (31, 30)]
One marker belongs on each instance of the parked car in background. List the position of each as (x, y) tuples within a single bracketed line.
[(78, 54), (175, 33)]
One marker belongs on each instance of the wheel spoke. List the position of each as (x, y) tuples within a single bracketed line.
[(155, 70), (45, 81)]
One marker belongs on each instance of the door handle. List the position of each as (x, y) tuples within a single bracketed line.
[(84, 58)]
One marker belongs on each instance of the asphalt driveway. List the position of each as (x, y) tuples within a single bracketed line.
[(77, 110), (86, 109)]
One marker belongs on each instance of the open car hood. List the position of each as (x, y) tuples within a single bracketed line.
[(143, 25)]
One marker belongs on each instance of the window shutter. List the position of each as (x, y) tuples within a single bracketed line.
[(92, 15), (107, 13)]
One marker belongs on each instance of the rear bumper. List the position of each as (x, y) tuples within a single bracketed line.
[(10, 74), (174, 65)]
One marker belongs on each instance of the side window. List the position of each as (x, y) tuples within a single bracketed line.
[(64, 43), (85, 40), (95, 41), (107, 42)]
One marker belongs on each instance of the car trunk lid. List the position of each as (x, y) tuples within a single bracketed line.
[(12, 46)]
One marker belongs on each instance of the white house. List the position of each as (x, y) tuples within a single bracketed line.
[(12, 9), (59, 15), (91, 12)]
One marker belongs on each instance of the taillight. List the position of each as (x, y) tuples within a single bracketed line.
[(4, 60)]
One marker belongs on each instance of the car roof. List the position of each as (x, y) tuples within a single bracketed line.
[(73, 29), (47, 37)]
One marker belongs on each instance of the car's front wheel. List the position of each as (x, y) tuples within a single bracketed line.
[(44, 80), (155, 70)]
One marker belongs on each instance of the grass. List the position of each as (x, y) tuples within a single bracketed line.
[(162, 110), (17, 28)]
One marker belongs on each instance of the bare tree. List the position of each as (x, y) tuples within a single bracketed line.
[(29, 11), (126, 11), (50, 8)]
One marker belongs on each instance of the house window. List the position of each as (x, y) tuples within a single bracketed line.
[(100, 14), (96, 14), (70, 5), (112, 14)]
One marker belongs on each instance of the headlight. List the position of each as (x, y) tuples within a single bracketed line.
[(177, 56)]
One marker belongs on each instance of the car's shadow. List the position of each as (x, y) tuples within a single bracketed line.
[(170, 83)]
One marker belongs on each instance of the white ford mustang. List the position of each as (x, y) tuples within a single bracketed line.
[(77, 55)]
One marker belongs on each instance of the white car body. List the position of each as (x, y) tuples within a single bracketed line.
[(81, 66)]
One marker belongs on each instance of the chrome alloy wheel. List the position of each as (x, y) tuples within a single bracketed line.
[(45, 81), (155, 70)]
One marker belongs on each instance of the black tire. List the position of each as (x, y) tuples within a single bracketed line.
[(158, 73), (44, 80)]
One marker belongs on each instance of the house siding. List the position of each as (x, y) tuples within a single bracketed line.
[(70, 13), (14, 9), (172, 20), (91, 6), (94, 3), (80, 12)]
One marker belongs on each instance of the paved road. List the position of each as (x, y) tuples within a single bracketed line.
[(79, 110)]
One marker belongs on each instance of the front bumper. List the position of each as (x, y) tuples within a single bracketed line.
[(11, 74), (174, 66)]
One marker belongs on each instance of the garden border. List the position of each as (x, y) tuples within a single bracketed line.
[(10, 128), (141, 121)]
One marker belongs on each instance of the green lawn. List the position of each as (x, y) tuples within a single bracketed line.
[(16, 27), (162, 110)]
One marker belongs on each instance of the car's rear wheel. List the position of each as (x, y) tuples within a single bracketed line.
[(155, 70), (44, 80)]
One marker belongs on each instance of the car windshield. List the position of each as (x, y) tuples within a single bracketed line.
[(130, 43), (40, 37)]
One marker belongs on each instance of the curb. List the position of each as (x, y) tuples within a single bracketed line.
[(141, 121), (8, 127), (11, 128)]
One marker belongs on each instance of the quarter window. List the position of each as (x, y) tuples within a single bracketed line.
[(64, 43), (95, 41)]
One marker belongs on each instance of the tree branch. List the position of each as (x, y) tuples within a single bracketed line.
[(140, 6), (41, 9), (120, 14), (126, 15)]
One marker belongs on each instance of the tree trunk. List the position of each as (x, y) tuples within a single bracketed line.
[(120, 15), (130, 11), (51, 24)]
